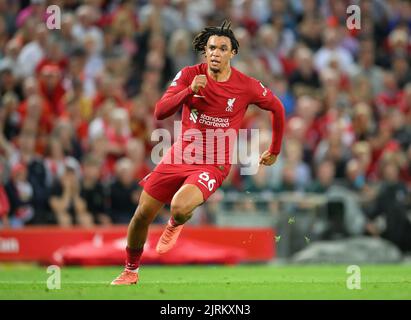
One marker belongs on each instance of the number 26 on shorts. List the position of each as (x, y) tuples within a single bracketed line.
[(205, 178)]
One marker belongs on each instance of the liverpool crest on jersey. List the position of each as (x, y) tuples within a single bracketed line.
[(230, 105)]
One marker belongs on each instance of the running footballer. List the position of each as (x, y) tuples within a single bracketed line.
[(213, 96)]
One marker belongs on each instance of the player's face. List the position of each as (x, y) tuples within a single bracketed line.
[(218, 53)]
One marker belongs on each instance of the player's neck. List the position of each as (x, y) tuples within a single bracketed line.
[(220, 76)]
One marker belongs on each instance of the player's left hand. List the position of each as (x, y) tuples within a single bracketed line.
[(267, 158)]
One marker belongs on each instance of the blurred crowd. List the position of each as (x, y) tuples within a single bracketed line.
[(76, 103)]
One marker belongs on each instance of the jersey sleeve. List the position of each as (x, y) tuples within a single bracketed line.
[(265, 99), (176, 94)]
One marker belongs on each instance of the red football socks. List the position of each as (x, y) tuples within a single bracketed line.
[(133, 258)]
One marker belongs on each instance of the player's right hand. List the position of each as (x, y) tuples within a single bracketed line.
[(267, 158), (199, 81)]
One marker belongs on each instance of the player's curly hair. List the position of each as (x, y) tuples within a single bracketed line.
[(200, 41)]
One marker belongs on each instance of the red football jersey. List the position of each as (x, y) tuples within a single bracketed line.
[(213, 115)]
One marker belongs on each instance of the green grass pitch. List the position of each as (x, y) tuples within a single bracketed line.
[(209, 282)]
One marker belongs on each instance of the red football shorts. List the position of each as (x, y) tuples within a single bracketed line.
[(166, 180)]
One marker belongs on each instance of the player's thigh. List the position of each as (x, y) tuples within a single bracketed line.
[(186, 199), (207, 181), (196, 189), (163, 186)]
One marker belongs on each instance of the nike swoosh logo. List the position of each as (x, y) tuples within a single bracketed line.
[(197, 96)]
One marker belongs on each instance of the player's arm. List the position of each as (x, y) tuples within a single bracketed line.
[(266, 100), (179, 90)]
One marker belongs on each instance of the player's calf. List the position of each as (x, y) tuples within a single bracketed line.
[(136, 237), (141, 217)]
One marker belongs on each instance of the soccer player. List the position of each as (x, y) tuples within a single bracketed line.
[(214, 96)]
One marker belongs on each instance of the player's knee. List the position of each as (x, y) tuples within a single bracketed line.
[(180, 212)]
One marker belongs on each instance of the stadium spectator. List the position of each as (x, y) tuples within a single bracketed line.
[(363, 124), (65, 34), (101, 120), (401, 132), (257, 182), (11, 116), (279, 86), (10, 56), (66, 134), (309, 30), (33, 52), (325, 173), (56, 161), (24, 153), (20, 193), (94, 63), (78, 109), (117, 134), (4, 200), (188, 15), (293, 150), (305, 122), (179, 50), (93, 192), (269, 51), (390, 96), (289, 182), (36, 10), (9, 82), (54, 56), (304, 76), (402, 71), (124, 192), (406, 168), (135, 151), (35, 116), (333, 148), (111, 45), (85, 27), (140, 124), (162, 17), (245, 17), (245, 59), (366, 65), (6, 150), (388, 218), (3, 35), (333, 51), (108, 89), (405, 103), (157, 59), (98, 149), (283, 21), (355, 176), (51, 86), (398, 43), (123, 23), (66, 203)]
